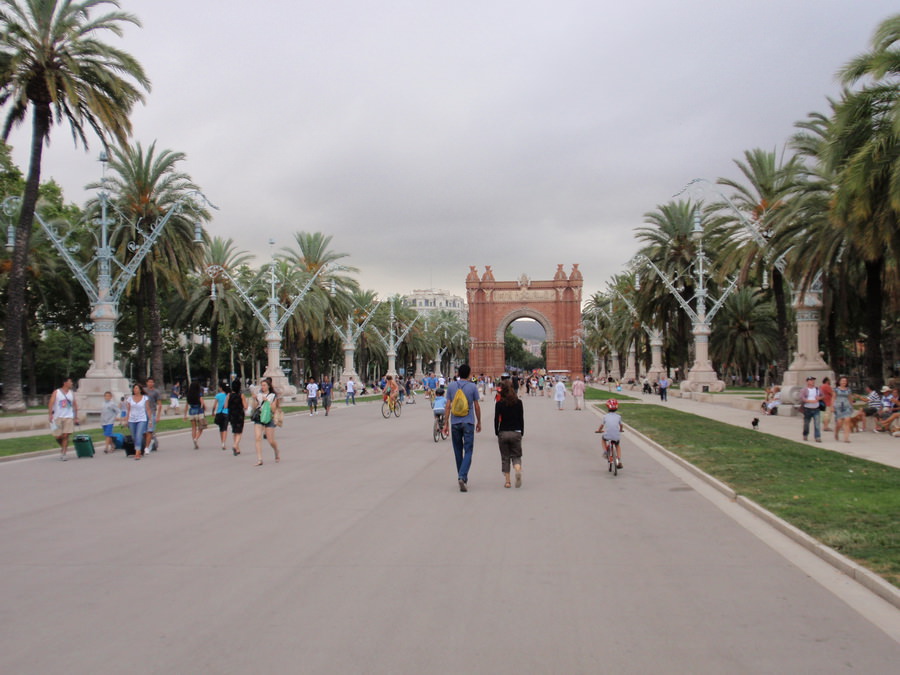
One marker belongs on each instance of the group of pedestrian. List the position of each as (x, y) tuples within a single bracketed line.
[(826, 404)]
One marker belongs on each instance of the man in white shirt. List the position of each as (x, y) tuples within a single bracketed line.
[(810, 396)]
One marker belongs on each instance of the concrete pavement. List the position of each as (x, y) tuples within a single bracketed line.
[(358, 554)]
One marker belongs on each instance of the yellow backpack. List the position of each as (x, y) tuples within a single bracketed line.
[(459, 407)]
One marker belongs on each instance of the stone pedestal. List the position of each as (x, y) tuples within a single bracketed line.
[(808, 359), (280, 382), (103, 375), (656, 365), (701, 377)]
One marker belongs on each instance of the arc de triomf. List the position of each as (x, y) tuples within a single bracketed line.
[(493, 305)]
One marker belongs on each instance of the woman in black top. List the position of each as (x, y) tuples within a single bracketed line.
[(235, 407), (509, 426)]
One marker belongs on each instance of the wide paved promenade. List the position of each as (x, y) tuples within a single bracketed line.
[(358, 554)]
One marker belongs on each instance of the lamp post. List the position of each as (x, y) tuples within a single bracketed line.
[(807, 305), (656, 341), (273, 321), (393, 341), (701, 376), (349, 337), (113, 277)]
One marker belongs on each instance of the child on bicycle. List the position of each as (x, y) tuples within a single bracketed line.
[(612, 428), (440, 403)]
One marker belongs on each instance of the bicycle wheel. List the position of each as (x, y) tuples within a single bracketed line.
[(444, 434), (385, 410), (397, 407), (436, 431)]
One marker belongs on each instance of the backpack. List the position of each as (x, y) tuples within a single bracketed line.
[(459, 407), (265, 415)]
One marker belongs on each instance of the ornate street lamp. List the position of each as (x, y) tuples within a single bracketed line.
[(701, 376), (274, 320), (349, 338), (807, 305), (113, 277), (393, 341)]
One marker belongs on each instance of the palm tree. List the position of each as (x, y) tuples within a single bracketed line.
[(762, 199), (228, 308), (54, 64), (670, 246), (330, 296), (864, 151), (745, 334), (144, 187)]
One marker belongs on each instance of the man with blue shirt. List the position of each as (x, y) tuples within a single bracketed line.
[(462, 430)]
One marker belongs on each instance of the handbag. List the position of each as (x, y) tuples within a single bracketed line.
[(202, 423), (822, 405), (254, 416)]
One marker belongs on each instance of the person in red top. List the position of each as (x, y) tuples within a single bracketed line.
[(828, 397)]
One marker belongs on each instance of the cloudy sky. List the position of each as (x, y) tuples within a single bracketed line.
[(428, 136)]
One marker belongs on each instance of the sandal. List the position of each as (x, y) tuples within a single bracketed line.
[(508, 484), (259, 463)]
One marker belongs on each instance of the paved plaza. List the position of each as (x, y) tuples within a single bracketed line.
[(358, 554)]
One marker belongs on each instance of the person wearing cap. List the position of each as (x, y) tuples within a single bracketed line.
[(810, 396), (889, 410)]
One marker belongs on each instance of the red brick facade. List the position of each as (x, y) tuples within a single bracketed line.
[(493, 305)]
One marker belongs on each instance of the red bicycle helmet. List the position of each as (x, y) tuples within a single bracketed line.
[(612, 404)]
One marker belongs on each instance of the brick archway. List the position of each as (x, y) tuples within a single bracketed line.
[(493, 305)]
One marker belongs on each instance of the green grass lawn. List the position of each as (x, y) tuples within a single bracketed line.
[(849, 504), (592, 394)]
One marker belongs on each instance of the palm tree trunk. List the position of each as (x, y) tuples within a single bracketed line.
[(214, 350), (140, 332), (874, 298), (157, 368), (13, 401), (782, 320)]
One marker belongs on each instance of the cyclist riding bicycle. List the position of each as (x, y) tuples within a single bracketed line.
[(611, 427), (440, 405), (391, 390)]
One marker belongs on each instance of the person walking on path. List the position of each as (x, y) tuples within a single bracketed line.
[(63, 413), (109, 413), (509, 427), (220, 412), (265, 402), (462, 428), (560, 394), (196, 408), (326, 394), (153, 394), (843, 408), (312, 396), (236, 406), (664, 384), (138, 413), (578, 392), (810, 396), (828, 397), (351, 392)]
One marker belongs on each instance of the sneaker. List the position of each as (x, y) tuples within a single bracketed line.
[(518, 479), (618, 465), (806, 438), (876, 430), (818, 440), (63, 458), (462, 486)]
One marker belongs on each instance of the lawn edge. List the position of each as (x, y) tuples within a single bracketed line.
[(862, 575)]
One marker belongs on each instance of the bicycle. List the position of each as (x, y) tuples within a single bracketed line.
[(438, 431), (390, 406), (611, 451), (429, 394)]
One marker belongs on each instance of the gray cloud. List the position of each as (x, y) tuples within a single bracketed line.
[(429, 136)]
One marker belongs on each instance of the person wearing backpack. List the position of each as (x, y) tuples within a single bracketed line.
[(264, 418), (463, 422)]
